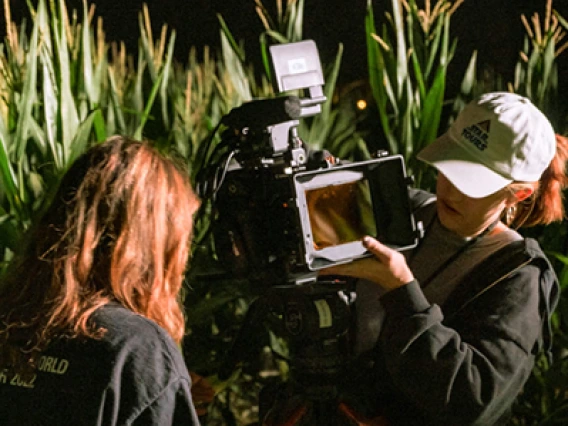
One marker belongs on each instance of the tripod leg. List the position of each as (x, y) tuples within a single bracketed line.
[(292, 417), (360, 420), (280, 406), (245, 344)]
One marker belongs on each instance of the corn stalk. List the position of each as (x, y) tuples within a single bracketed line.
[(62, 88), (536, 71), (43, 130), (408, 61)]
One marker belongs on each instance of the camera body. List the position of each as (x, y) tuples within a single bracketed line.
[(282, 212)]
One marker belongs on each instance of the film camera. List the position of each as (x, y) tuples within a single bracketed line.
[(282, 212)]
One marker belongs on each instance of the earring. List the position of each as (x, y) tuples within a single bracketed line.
[(510, 214)]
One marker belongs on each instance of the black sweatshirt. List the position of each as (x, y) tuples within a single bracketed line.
[(134, 375), (464, 362)]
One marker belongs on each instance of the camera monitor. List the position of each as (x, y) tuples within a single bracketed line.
[(340, 205), (297, 66)]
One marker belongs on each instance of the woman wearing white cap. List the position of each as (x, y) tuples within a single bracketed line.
[(449, 331)]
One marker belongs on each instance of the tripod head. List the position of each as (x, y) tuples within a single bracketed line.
[(315, 321)]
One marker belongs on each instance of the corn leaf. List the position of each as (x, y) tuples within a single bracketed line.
[(146, 114)]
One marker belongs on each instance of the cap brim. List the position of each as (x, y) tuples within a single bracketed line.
[(461, 168)]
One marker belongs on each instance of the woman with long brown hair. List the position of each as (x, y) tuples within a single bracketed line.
[(90, 312)]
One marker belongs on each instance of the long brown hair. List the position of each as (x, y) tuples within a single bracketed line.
[(546, 204), (118, 229)]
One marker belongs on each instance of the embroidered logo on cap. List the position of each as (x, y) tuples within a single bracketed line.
[(477, 134)]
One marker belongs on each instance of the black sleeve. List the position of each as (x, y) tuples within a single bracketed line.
[(173, 407), (471, 372)]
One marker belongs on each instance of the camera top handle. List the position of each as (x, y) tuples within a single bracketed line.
[(296, 68)]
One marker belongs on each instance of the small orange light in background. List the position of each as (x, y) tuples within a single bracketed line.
[(361, 104)]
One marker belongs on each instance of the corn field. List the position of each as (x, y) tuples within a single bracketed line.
[(63, 87)]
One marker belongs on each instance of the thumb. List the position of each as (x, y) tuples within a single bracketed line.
[(381, 251), (396, 271)]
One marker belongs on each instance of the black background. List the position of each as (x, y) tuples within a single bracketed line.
[(492, 27)]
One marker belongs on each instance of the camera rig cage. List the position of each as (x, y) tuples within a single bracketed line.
[(281, 211)]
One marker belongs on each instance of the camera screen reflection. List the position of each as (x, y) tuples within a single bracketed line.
[(340, 214)]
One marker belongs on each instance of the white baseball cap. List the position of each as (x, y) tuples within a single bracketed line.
[(498, 138)]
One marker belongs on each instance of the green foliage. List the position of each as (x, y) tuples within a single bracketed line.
[(536, 70), (408, 61), (48, 107), (63, 88), (544, 396), (536, 73)]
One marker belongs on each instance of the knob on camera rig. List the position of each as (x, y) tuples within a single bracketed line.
[(280, 213)]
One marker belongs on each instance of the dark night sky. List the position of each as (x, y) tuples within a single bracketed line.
[(493, 27)]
